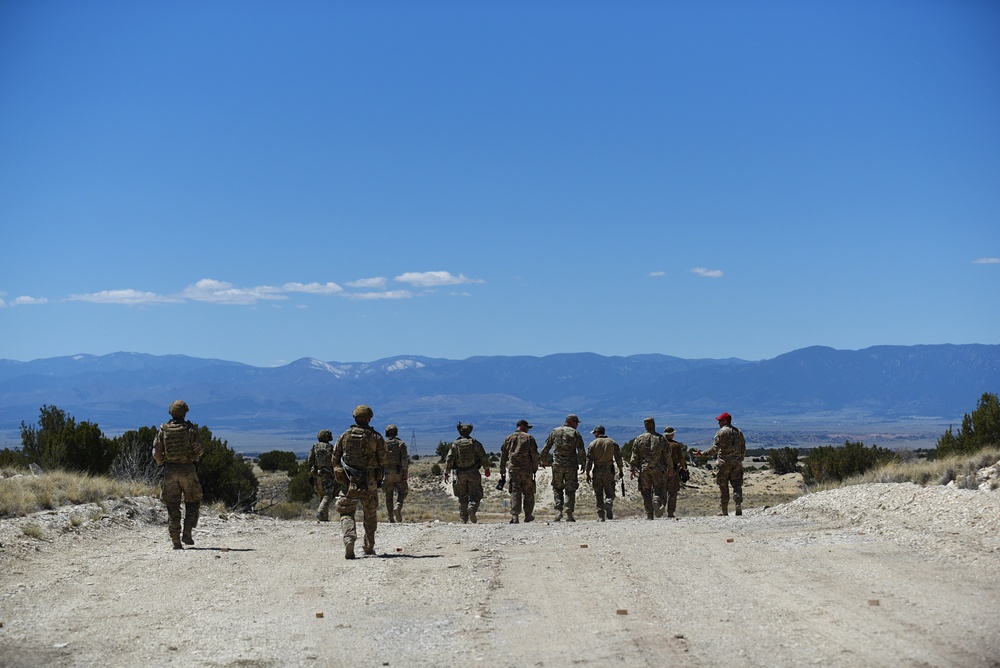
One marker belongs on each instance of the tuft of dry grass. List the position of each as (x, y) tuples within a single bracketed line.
[(22, 493)]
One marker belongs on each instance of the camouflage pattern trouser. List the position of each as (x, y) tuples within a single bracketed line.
[(347, 506), (652, 486), (180, 481), (522, 492), (565, 479), (673, 486), (326, 489), (468, 487), (394, 483), (603, 480), (730, 473)]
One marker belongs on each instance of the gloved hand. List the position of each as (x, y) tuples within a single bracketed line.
[(487, 473)]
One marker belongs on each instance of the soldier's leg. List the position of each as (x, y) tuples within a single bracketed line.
[(191, 487), (673, 486), (609, 495), (599, 497), (347, 507), (171, 497), (646, 490), (722, 479), (402, 489), (659, 493), (387, 489), (528, 488), (475, 497), (369, 508), (192, 510), (572, 483), (736, 478), (516, 496), (558, 490)]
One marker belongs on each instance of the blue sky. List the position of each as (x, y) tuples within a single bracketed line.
[(260, 181)]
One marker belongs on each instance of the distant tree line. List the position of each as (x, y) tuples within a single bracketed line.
[(60, 442), (980, 429)]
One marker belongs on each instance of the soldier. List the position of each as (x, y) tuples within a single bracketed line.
[(465, 457), (359, 465), (602, 455), (678, 473), (731, 447), (568, 453), (397, 471), (650, 461), (177, 448), (519, 453), (320, 465)]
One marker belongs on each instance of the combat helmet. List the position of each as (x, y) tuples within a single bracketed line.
[(363, 411), (178, 409), (324, 435), (464, 429), (391, 430)]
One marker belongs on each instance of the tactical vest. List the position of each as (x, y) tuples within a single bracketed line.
[(359, 448), (564, 442), (465, 453), (394, 452), (520, 451), (176, 443), (324, 455)]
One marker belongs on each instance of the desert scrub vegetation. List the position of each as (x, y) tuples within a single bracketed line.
[(22, 493), (959, 468)]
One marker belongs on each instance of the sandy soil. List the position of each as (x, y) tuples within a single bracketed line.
[(872, 575)]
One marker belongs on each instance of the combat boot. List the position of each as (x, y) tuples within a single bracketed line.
[(529, 518), (399, 513), (658, 511), (649, 514), (569, 516), (322, 513), (723, 509), (175, 538), (558, 516), (514, 520), (600, 515), (609, 510), (349, 549), (186, 538), (472, 516), (739, 508)]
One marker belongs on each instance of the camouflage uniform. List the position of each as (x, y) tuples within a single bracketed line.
[(397, 470), (568, 458), (359, 462), (177, 448), (465, 457), (519, 454), (320, 464), (731, 448), (602, 455), (678, 455), (651, 459)]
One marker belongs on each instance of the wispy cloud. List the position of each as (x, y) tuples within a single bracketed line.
[(375, 283), (707, 273), (434, 279), (313, 288), (221, 292), (384, 294), (29, 300), (656, 274), (128, 297), (987, 260)]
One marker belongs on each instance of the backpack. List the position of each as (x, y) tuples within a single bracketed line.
[(324, 455), (465, 453), (359, 448), (176, 443)]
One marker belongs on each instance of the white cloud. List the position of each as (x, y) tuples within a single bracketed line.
[(220, 292), (434, 279), (376, 283), (987, 260), (707, 273), (313, 288), (129, 297), (656, 274), (384, 294), (29, 300)]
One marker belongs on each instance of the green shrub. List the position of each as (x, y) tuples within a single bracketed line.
[(277, 459), (829, 463), (224, 475), (299, 488), (436, 469), (784, 460), (979, 430)]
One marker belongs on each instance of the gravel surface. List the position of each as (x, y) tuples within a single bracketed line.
[(869, 575)]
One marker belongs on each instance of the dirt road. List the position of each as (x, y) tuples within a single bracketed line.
[(842, 578)]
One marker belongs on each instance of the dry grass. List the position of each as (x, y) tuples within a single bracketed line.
[(22, 493), (960, 468)]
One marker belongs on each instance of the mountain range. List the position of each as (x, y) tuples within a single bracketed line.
[(818, 388)]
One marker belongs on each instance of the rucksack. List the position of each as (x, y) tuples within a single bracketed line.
[(465, 453), (176, 443), (324, 455), (359, 448)]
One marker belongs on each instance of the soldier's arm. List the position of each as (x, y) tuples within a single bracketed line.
[(504, 454), (581, 449), (197, 448), (618, 459), (404, 460), (158, 447)]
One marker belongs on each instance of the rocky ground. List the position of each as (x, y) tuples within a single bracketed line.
[(884, 574)]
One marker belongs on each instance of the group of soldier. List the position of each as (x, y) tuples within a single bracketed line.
[(350, 471)]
